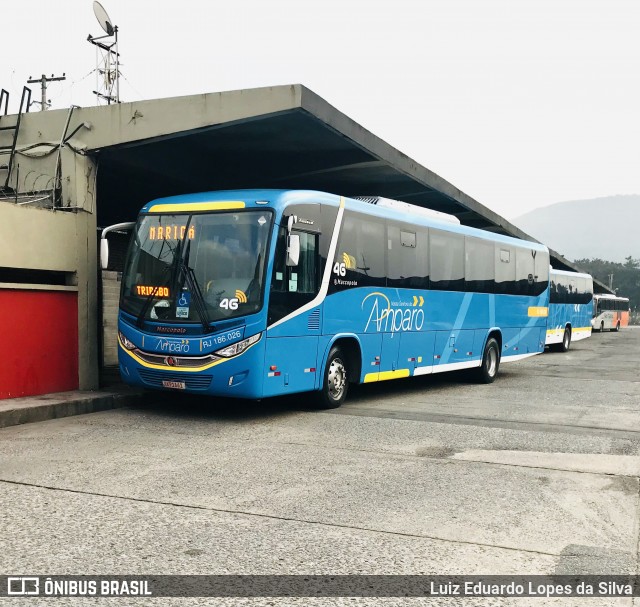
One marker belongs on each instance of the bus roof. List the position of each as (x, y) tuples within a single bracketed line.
[(277, 198), (553, 271), (609, 296)]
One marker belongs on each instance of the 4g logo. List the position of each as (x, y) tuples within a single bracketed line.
[(229, 303), (340, 269), (232, 303), (348, 263)]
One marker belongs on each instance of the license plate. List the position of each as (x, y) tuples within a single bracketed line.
[(179, 385)]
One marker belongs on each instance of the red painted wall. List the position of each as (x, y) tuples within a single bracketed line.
[(39, 337)]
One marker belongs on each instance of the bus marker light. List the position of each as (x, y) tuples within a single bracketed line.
[(310, 370), (273, 368)]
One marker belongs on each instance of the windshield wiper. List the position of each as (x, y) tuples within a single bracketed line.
[(194, 288), (151, 296), (179, 266)]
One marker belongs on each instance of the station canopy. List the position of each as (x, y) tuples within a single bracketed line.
[(277, 137)]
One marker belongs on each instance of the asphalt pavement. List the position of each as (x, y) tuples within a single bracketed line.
[(537, 473)]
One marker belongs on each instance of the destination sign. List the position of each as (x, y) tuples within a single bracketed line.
[(157, 291), (171, 232)]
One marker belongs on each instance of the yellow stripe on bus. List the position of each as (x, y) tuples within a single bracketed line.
[(144, 363), (385, 375), (573, 330), (226, 205), (538, 311)]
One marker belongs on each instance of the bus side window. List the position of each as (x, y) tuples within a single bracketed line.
[(302, 278), (407, 257), (278, 282), (479, 265), (583, 290), (446, 254), (293, 286), (360, 258), (505, 267), (525, 270), (306, 274)]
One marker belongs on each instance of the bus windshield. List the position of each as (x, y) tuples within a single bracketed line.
[(196, 268)]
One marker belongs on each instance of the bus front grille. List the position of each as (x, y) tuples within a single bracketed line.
[(191, 381)]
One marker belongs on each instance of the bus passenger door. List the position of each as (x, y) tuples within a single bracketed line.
[(291, 354)]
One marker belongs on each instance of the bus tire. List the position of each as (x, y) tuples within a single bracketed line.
[(335, 381), (488, 370), (617, 328), (565, 344), (602, 326)]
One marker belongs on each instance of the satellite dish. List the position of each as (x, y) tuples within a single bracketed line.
[(103, 18)]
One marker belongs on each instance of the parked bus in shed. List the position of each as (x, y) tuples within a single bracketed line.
[(260, 293), (610, 312), (570, 308)]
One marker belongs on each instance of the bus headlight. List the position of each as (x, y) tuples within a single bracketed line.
[(128, 344), (238, 347)]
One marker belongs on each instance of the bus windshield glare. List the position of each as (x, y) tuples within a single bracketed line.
[(196, 268)]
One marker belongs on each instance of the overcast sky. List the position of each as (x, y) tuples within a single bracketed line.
[(518, 103)]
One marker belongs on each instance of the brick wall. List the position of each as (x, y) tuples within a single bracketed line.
[(110, 296)]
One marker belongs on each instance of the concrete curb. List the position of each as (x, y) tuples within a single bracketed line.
[(31, 409)]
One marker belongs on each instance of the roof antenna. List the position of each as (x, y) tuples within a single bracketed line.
[(107, 58)]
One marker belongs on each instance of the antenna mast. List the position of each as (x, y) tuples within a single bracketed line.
[(107, 58)]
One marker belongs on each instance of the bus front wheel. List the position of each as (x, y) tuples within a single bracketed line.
[(488, 370), (335, 381)]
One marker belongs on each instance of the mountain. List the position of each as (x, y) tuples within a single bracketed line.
[(608, 228)]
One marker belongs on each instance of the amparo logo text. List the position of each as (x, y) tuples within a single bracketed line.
[(388, 317)]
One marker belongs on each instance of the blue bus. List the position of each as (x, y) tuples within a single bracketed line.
[(570, 308), (259, 293)]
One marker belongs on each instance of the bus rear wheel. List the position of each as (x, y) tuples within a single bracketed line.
[(617, 327), (565, 344), (488, 370), (335, 381)]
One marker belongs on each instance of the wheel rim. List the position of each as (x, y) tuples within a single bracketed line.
[(336, 379), (492, 362)]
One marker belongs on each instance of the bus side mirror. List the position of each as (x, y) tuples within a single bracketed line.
[(104, 243), (293, 250), (104, 253)]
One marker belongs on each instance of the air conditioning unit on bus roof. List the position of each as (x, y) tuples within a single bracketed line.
[(405, 207)]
